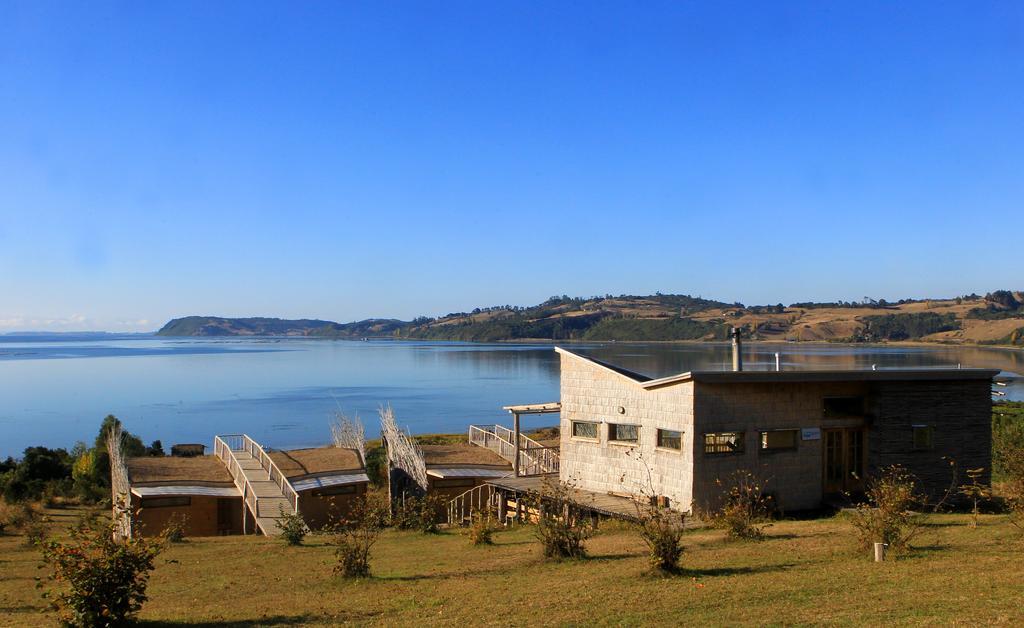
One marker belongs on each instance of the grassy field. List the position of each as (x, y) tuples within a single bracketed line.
[(806, 572)]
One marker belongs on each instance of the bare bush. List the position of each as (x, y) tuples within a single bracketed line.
[(174, 531), (888, 517), (482, 527), (356, 534), (976, 493), (349, 433), (746, 509), (563, 524)]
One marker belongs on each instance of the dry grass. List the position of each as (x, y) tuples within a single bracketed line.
[(804, 572)]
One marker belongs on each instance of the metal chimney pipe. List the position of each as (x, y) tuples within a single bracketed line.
[(737, 350)]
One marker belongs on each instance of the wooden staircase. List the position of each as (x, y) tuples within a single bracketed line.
[(267, 494)]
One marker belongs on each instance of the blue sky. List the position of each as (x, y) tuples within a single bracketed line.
[(344, 160)]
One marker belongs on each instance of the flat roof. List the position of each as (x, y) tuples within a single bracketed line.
[(462, 454), (193, 470), (296, 463), (744, 377)]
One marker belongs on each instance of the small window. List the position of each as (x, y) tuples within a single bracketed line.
[(843, 406), (622, 433), (455, 483), (776, 440), (584, 429), (330, 491), (922, 437), (670, 439), (723, 443), (165, 502)]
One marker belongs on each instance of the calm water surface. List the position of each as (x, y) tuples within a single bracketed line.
[(55, 390)]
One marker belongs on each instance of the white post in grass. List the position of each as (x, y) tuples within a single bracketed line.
[(880, 551)]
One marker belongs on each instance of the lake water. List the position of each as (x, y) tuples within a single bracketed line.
[(56, 390)]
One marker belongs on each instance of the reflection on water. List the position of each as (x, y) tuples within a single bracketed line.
[(282, 391)]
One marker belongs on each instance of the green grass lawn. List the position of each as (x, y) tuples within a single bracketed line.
[(805, 572)]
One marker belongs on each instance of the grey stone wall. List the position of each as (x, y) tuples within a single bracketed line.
[(590, 392)]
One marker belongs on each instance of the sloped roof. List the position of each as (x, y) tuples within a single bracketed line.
[(177, 470), (296, 463)]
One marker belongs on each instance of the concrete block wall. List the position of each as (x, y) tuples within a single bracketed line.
[(793, 476), (590, 392)]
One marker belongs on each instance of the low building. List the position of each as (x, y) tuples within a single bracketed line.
[(202, 493), (327, 479), (197, 491), (456, 468), (808, 434)]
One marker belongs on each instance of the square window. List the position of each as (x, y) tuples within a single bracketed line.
[(723, 443), (670, 439), (923, 437), (775, 440), (584, 429), (623, 433), (836, 407)]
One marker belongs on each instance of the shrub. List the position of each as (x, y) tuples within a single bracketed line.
[(174, 531), (293, 527), (888, 517), (482, 527), (746, 510), (661, 529), (95, 579), (419, 513), (563, 525), (975, 493), (356, 534)]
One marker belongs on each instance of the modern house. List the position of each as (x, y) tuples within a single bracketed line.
[(242, 488), (808, 434)]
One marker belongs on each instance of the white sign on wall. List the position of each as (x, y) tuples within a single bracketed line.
[(810, 433)]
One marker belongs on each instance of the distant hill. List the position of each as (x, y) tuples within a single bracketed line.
[(996, 318)]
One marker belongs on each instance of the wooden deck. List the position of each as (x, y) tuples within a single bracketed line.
[(601, 503)]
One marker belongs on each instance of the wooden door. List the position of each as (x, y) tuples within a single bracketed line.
[(843, 460)]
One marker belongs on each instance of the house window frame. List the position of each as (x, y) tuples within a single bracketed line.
[(761, 445), (928, 430), (337, 490), (741, 438), (628, 443), (863, 406), (590, 439), (166, 501), (455, 482), (657, 440)]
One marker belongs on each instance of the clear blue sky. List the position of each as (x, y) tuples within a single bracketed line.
[(344, 160)]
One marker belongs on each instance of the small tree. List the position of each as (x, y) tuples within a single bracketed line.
[(356, 534), (975, 492), (746, 509), (563, 525), (887, 517), (95, 579), (293, 527)]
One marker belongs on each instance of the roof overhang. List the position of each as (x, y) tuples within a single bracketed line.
[(325, 481), (535, 408), (467, 472), (185, 491)]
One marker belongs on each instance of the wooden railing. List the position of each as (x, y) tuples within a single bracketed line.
[(223, 449), (476, 498), (534, 458), (275, 475), (225, 446)]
